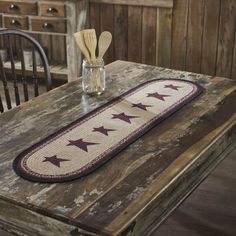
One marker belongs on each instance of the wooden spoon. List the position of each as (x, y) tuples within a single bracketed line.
[(90, 40), (79, 39), (104, 43)]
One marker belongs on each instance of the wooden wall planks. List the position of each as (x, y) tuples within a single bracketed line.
[(156, 3), (134, 33), (179, 34), (197, 36), (58, 49), (233, 73), (120, 37), (94, 17), (149, 21), (226, 37), (138, 32), (194, 35), (107, 23), (210, 34), (163, 37), (46, 42)]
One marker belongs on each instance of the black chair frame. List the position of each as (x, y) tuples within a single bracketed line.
[(44, 60)]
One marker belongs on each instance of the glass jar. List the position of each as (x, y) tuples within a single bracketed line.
[(93, 77)]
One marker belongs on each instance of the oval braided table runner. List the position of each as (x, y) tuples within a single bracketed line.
[(87, 143)]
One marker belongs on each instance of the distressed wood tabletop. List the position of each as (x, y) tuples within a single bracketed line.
[(136, 190)]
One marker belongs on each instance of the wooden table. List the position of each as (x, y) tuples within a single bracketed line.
[(136, 190)]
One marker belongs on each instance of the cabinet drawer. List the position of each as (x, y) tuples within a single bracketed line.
[(55, 26), (50, 9), (25, 8), (16, 22)]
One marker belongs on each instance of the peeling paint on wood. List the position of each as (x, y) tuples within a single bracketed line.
[(142, 183)]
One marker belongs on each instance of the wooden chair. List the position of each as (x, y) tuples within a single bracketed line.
[(17, 71)]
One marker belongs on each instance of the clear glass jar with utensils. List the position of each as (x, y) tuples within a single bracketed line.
[(93, 77)]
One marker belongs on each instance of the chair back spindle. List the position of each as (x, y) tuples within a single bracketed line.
[(34, 77), (13, 71), (1, 105), (23, 74), (5, 86)]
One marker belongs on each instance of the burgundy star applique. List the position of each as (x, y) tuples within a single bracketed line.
[(124, 117), (102, 130), (80, 144), (172, 86), (54, 160), (141, 106), (158, 96)]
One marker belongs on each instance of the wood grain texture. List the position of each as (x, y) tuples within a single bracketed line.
[(45, 225), (1, 21), (147, 221), (211, 209), (58, 50), (227, 30), (120, 32), (5, 233), (134, 33), (20, 22), (233, 73), (46, 43), (58, 10), (94, 17), (79, 15), (179, 34), (190, 35), (53, 25), (107, 24), (210, 36), (149, 16), (65, 18), (194, 36), (138, 188), (221, 36), (150, 3), (163, 37), (21, 7)]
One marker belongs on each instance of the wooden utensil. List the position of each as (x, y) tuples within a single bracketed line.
[(104, 43), (90, 40), (79, 39)]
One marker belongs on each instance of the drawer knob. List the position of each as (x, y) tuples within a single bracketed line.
[(52, 10), (13, 7), (15, 22), (47, 25)]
